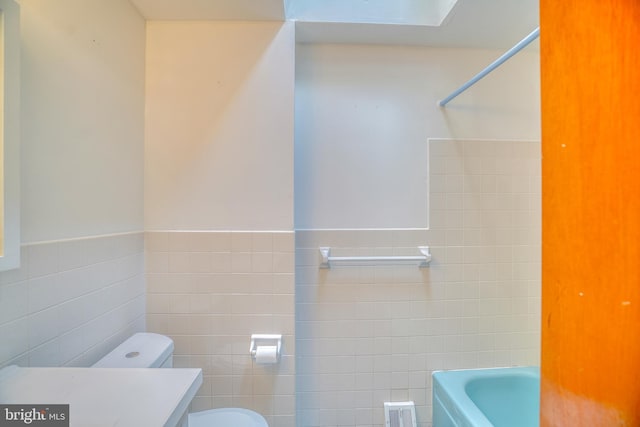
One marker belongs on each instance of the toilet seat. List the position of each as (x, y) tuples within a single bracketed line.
[(224, 417)]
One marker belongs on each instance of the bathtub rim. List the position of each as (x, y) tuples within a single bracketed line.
[(455, 382)]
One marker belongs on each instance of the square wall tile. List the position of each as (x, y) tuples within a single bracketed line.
[(210, 291), (70, 298)]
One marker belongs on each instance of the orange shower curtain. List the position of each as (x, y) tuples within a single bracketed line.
[(590, 68)]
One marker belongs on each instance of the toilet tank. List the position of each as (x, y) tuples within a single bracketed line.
[(142, 350)]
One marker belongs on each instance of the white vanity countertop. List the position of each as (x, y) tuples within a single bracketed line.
[(105, 397)]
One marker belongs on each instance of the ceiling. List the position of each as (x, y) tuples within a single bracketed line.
[(471, 23), (236, 10)]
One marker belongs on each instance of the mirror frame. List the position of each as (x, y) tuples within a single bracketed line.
[(10, 137)]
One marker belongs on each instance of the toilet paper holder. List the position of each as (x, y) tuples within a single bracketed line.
[(265, 340)]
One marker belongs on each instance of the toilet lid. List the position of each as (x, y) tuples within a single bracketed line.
[(223, 417)]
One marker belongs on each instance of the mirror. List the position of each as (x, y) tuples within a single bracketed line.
[(9, 135)]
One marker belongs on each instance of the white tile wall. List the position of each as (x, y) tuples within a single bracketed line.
[(72, 301), (210, 291), (369, 334)]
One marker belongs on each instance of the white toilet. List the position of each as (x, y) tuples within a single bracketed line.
[(148, 350)]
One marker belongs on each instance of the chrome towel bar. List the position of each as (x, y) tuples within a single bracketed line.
[(424, 259)]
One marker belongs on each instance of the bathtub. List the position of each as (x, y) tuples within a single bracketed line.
[(497, 397)]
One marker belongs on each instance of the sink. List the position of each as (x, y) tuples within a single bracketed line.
[(105, 397)]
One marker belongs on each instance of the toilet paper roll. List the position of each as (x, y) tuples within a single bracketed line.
[(267, 354)]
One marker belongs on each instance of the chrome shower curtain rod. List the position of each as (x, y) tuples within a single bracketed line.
[(495, 64)]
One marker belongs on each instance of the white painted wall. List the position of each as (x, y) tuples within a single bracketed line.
[(82, 118), (364, 114), (78, 292), (219, 126), (219, 156), (218, 164), (372, 333)]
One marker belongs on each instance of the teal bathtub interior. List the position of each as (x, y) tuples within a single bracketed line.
[(497, 397)]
